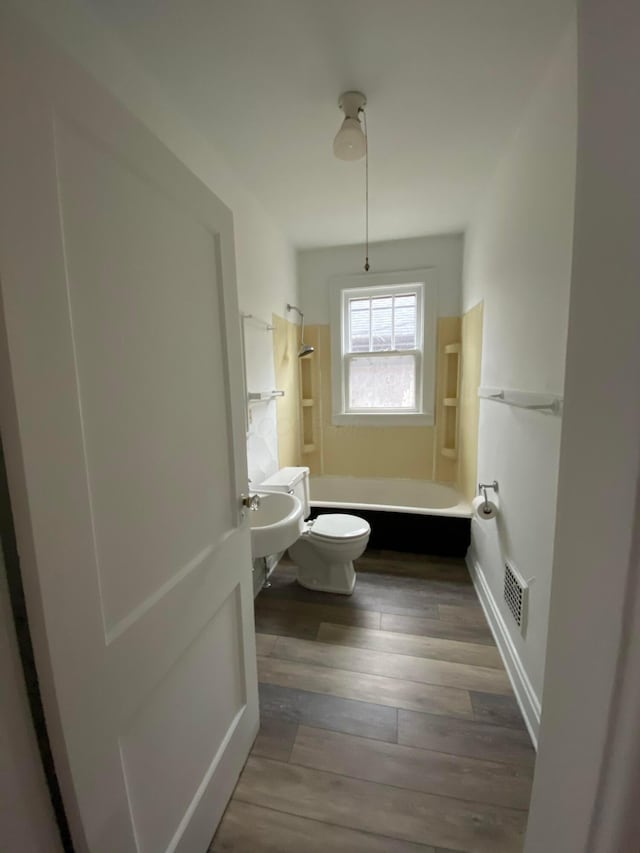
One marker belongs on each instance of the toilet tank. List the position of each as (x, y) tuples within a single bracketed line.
[(295, 481)]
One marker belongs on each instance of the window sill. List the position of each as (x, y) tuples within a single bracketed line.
[(361, 419)]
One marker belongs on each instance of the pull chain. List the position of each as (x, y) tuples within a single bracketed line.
[(366, 192)]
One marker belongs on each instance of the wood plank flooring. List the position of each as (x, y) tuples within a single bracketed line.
[(388, 724)]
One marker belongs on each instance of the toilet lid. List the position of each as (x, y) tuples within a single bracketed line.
[(339, 526)]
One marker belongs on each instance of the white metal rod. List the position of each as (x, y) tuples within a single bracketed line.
[(268, 326), (264, 395), (545, 403)]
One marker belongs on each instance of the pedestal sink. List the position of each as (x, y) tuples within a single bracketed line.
[(276, 524)]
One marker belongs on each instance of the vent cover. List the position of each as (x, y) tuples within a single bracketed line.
[(516, 594)]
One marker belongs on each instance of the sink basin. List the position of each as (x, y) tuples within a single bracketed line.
[(276, 524)]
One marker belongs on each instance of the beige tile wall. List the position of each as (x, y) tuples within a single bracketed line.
[(407, 452), (444, 470), (285, 353), (469, 400), (307, 436), (311, 393)]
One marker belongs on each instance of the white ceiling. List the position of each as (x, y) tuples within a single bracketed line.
[(446, 81)]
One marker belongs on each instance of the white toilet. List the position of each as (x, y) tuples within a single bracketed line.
[(328, 545)]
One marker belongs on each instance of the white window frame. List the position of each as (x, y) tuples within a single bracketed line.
[(344, 288)]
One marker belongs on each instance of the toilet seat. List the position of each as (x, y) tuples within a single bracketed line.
[(338, 527)]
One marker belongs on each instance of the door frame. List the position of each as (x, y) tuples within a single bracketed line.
[(587, 779)]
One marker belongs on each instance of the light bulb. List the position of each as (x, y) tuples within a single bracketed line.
[(349, 143)]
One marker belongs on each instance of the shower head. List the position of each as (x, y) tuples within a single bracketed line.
[(305, 349)]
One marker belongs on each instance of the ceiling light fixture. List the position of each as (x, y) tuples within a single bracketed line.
[(351, 143)]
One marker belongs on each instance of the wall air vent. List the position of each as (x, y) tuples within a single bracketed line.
[(516, 594)]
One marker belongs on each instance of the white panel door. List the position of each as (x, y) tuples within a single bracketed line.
[(122, 419)]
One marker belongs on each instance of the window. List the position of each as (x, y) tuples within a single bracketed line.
[(381, 355), (384, 348)]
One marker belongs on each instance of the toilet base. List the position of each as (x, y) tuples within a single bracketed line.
[(326, 566), (340, 579)]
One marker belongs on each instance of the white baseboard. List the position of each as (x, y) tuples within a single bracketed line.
[(525, 694)]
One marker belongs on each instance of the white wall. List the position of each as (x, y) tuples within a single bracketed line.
[(265, 261), (26, 815), (586, 793), (518, 260), (316, 266), (262, 435)]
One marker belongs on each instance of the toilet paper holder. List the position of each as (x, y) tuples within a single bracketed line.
[(482, 489)]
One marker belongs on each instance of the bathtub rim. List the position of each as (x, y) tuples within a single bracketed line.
[(462, 509)]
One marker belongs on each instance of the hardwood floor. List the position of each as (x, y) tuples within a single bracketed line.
[(388, 724)]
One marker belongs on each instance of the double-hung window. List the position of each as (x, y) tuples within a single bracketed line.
[(383, 347)]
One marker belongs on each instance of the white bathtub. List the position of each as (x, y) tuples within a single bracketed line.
[(422, 497)]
